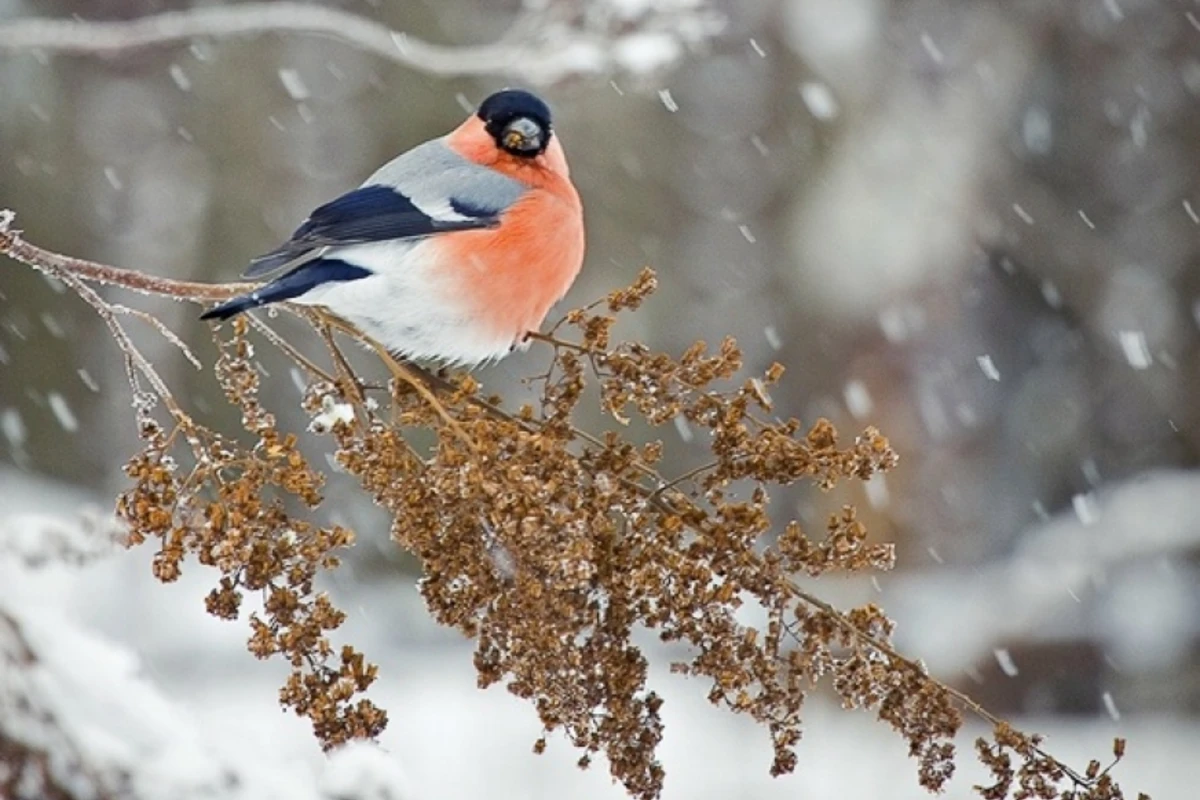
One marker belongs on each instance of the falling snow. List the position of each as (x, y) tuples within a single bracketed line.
[(88, 380), (1005, 660), (1036, 131), (858, 399), (1137, 352), (52, 325), (1084, 506), (62, 412), (114, 180), (293, 84), (1191, 212), (900, 323), (819, 100), (1110, 706), (13, 427), (988, 366), (931, 48), (298, 379), (180, 77), (1051, 294), (684, 428)]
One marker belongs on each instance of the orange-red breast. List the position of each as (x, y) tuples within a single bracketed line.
[(452, 251)]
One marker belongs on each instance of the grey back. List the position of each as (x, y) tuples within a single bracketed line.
[(432, 174)]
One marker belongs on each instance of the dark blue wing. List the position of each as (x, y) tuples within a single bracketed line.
[(369, 214)]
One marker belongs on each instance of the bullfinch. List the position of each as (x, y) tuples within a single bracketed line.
[(451, 252)]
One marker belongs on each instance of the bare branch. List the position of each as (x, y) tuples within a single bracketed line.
[(55, 264), (74, 272), (255, 19), (543, 46)]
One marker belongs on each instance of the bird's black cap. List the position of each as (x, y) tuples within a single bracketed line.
[(501, 109)]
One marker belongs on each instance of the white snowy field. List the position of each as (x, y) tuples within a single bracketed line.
[(143, 682)]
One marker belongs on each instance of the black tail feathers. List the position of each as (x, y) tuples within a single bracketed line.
[(289, 286), (232, 308)]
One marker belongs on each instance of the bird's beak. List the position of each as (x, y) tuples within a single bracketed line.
[(522, 135)]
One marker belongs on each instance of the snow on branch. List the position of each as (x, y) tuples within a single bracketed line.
[(547, 42)]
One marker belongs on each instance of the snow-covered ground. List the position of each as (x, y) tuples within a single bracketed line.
[(144, 682)]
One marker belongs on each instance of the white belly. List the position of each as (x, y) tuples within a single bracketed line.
[(406, 307)]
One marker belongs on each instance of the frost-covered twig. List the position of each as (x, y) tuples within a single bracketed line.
[(135, 362), (287, 349), (159, 326), (75, 271), (544, 44), (55, 264)]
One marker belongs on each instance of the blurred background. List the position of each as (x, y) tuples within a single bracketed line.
[(973, 225)]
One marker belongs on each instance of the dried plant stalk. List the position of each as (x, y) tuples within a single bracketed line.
[(551, 546)]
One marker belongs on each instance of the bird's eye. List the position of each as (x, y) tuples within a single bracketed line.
[(522, 136)]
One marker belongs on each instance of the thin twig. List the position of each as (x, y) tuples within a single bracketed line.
[(401, 373), (123, 341), (287, 349), (563, 343), (164, 331), (323, 324), (687, 476)]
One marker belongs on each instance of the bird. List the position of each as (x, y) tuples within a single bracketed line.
[(453, 252)]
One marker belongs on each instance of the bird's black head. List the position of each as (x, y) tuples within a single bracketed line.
[(518, 121)]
